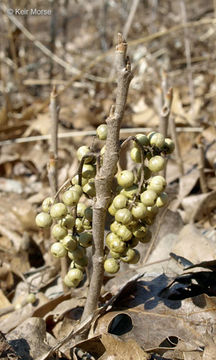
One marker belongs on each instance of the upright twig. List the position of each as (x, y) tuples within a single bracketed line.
[(201, 166), (176, 142), (53, 27), (102, 27), (129, 21), (65, 30), (103, 179), (187, 52)]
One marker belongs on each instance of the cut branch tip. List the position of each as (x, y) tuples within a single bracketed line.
[(122, 44)]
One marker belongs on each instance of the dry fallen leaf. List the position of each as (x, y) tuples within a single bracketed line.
[(194, 246), (117, 349)]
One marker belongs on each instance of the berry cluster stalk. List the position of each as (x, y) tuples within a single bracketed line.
[(105, 175)]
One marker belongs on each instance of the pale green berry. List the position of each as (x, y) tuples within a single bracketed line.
[(101, 132), (143, 140), (31, 298), (58, 250), (75, 180), (114, 227), (135, 258), (112, 210), (151, 134), (89, 188), (81, 207), (68, 282), (139, 210), (70, 197), (115, 255), (83, 151), (157, 184), (117, 245), (110, 237), (135, 155), (125, 178), (69, 242), (156, 163), (88, 171), (169, 146), (88, 213), (130, 192), (58, 211), (111, 266), (87, 224), (46, 204), (79, 225), (139, 231), (157, 140), (152, 211), (124, 233), (148, 197), (77, 188), (68, 221), (59, 232), (85, 239), (43, 220), (128, 255), (120, 201), (76, 254), (75, 275), (123, 216)]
